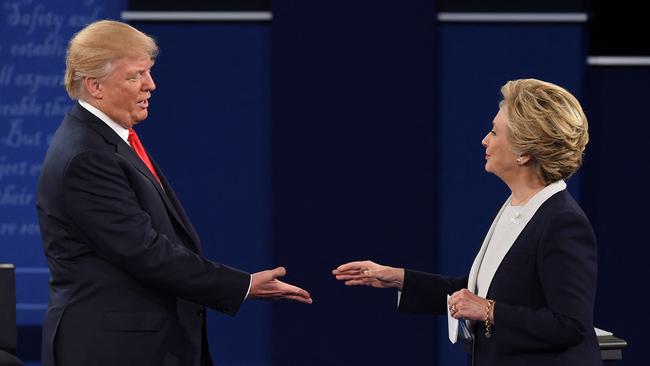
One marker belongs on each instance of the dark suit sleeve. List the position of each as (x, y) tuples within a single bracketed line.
[(566, 260), (104, 208), (427, 292)]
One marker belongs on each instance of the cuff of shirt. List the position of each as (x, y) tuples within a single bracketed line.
[(250, 283)]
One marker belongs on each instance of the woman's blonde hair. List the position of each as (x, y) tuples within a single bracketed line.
[(93, 49), (546, 122)]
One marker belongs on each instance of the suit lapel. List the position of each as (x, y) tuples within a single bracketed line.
[(473, 273), (124, 150), (508, 241), (172, 206), (173, 200), (527, 214)]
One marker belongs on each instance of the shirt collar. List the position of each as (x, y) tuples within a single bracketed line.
[(119, 130)]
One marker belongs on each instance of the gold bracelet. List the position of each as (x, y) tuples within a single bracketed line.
[(488, 325)]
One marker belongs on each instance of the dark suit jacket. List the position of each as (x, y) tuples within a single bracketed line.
[(544, 291), (128, 280)]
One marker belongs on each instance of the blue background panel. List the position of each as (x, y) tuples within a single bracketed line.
[(353, 174), (615, 187)]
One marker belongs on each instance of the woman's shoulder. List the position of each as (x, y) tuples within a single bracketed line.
[(561, 201), (561, 209)]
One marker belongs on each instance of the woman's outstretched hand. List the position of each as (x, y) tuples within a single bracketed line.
[(367, 273)]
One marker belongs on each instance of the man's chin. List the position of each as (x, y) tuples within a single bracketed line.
[(141, 116)]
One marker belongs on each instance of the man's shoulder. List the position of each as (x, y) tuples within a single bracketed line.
[(74, 137), (80, 130)]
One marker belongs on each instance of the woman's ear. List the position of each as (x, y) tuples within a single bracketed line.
[(523, 159)]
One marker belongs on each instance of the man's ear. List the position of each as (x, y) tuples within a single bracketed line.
[(93, 88)]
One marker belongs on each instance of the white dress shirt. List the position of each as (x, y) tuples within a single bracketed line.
[(119, 130)]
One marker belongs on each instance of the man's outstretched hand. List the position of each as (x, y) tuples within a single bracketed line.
[(265, 285)]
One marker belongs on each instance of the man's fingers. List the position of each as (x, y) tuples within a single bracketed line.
[(291, 290), (304, 300), (279, 272), (298, 292)]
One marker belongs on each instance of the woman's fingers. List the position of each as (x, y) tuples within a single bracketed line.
[(357, 266), (467, 305)]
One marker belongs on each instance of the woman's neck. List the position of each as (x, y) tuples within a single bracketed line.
[(524, 190)]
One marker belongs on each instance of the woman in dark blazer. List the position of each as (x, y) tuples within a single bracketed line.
[(529, 296)]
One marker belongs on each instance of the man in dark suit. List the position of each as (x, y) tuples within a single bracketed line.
[(129, 285)]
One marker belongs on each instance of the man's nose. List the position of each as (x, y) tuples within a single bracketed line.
[(149, 84)]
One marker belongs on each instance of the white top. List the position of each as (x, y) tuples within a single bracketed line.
[(502, 234), (507, 223)]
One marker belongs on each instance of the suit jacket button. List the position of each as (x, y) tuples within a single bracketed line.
[(200, 312)]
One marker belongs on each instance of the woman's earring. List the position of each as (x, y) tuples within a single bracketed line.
[(519, 160)]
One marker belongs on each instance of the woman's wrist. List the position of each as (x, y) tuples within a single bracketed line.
[(399, 278), (492, 312), (489, 318)]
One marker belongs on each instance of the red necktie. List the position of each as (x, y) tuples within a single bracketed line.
[(139, 149)]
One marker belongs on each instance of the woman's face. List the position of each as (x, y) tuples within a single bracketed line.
[(500, 159)]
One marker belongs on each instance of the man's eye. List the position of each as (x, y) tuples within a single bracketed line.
[(493, 133)]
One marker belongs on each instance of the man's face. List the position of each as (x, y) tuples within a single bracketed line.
[(125, 92)]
